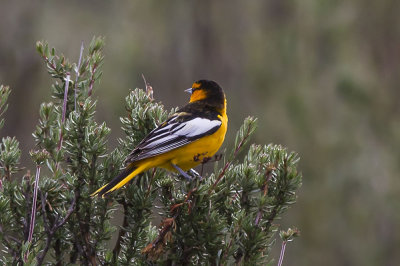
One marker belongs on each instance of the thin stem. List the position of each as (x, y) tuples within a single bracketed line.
[(33, 212), (149, 89), (64, 109), (78, 73), (282, 253)]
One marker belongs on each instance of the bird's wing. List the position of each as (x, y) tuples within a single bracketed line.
[(174, 133)]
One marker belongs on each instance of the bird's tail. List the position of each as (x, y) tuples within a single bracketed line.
[(124, 177)]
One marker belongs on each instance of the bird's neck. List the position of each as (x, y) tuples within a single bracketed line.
[(222, 109)]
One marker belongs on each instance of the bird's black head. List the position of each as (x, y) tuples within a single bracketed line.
[(207, 91)]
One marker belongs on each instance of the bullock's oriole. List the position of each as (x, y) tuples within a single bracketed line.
[(194, 132)]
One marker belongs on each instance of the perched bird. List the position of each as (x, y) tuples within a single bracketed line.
[(196, 131)]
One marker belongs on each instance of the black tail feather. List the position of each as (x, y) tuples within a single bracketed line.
[(105, 190)]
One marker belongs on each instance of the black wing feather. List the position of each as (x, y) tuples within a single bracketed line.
[(176, 132)]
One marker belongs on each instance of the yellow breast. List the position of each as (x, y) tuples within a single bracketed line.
[(191, 155)]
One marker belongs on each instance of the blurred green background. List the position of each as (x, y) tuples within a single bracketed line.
[(322, 76)]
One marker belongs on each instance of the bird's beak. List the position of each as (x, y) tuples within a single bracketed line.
[(190, 90)]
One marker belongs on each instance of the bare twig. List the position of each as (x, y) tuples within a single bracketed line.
[(149, 89), (282, 253), (33, 212), (64, 111), (287, 236), (77, 72)]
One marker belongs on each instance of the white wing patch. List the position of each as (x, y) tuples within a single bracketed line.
[(197, 126), (174, 135), (189, 129)]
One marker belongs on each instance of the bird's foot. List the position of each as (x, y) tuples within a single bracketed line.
[(195, 174), (190, 175), (182, 173)]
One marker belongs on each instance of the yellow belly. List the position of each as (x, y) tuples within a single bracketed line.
[(192, 154)]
